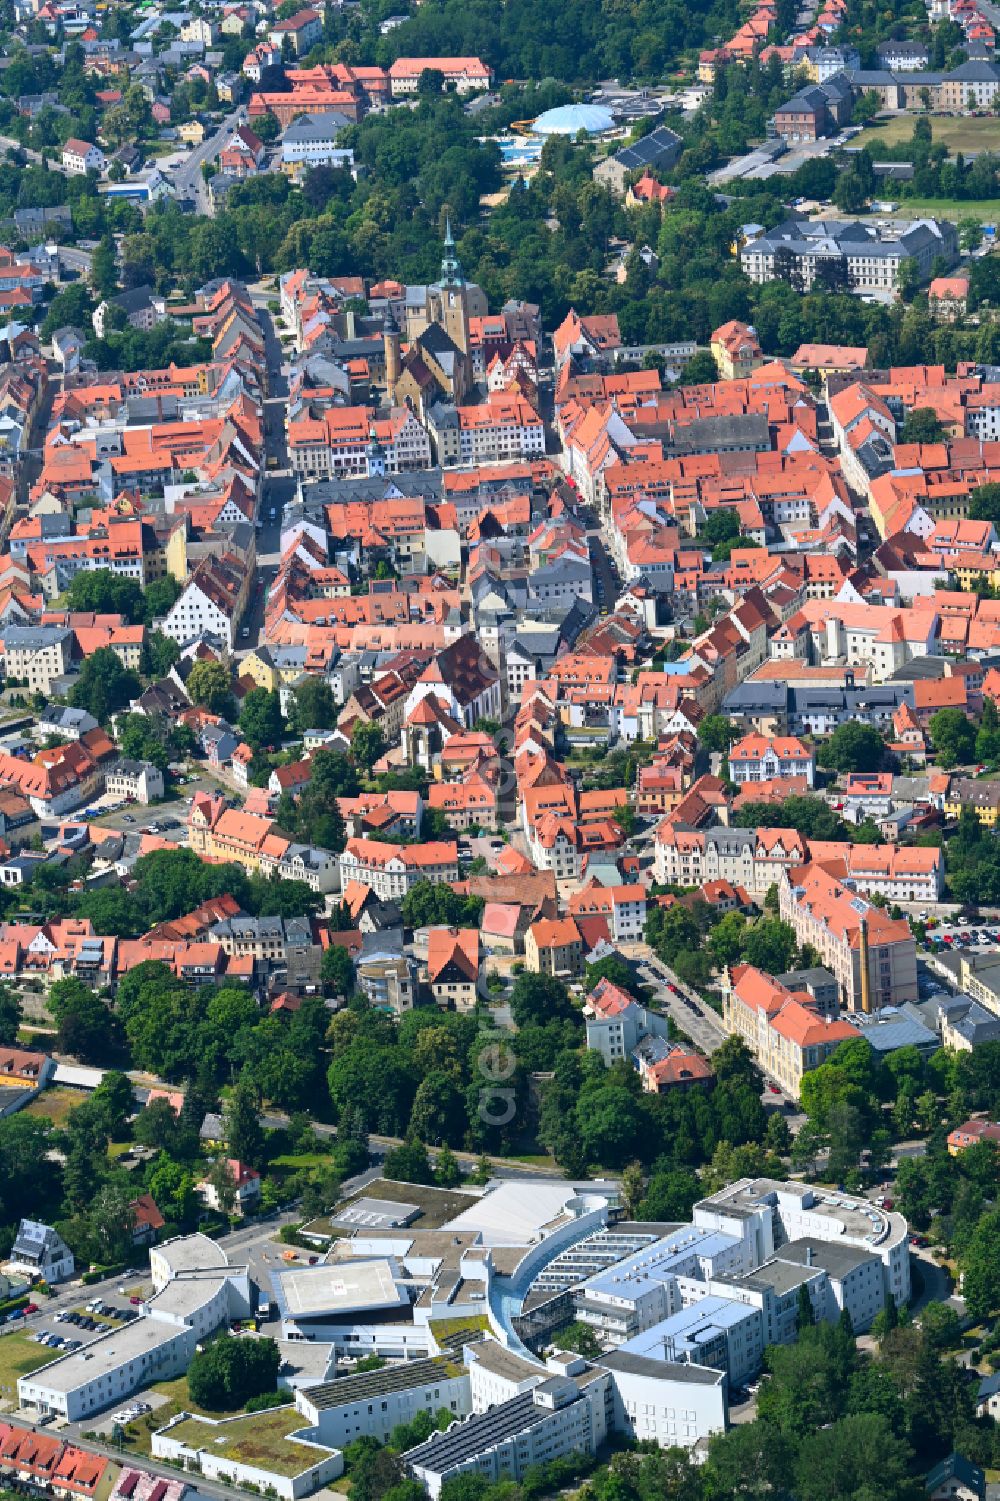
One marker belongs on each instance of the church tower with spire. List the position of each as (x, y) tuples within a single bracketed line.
[(454, 295)]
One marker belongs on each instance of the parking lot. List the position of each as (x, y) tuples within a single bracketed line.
[(964, 935), (167, 818), (64, 1330)]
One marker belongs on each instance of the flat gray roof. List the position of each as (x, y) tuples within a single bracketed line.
[(662, 1370), (493, 1356), (103, 1355), (834, 1258), (190, 1253), (347, 1287), (375, 1214), (780, 1276)]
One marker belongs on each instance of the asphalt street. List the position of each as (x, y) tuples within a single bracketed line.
[(187, 179), (279, 487), (700, 1022)]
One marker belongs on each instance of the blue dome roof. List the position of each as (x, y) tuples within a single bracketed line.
[(568, 119)]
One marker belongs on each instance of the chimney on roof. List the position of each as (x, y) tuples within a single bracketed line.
[(809, 1255), (866, 983)]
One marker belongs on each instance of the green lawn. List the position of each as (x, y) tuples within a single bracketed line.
[(293, 1162), (472, 1323), (19, 1356), (985, 210), (259, 1438), (965, 133)]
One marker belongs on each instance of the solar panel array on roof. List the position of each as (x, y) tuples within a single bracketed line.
[(650, 150), (478, 1433)]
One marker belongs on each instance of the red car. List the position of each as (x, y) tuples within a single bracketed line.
[(31, 1307), (135, 1301), (774, 1089)]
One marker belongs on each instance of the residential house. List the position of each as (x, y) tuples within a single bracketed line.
[(80, 157), (453, 961), (41, 1253), (554, 946), (737, 350), (245, 1188)]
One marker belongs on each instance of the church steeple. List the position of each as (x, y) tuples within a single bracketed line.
[(451, 266)]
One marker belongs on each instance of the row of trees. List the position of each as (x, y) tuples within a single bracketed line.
[(168, 883), (689, 938)]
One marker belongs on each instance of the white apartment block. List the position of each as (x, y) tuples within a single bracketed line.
[(80, 157), (563, 1414), (373, 1403), (664, 1402), (139, 780), (37, 655), (196, 1291), (763, 1213)]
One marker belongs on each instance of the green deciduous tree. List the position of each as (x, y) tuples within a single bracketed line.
[(261, 722), (953, 737), (367, 744), (228, 1372), (984, 503), (241, 1127), (209, 684), (85, 1025), (314, 706), (922, 425), (408, 1163), (104, 685), (981, 1268), (10, 1016), (337, 970), (852, 747), (770, 945), (107, 593), (717, 733)]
